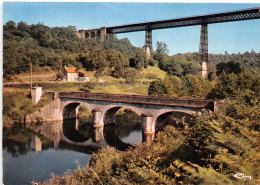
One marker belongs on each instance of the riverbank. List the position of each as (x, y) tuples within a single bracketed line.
[(54, 147), (210, 151)]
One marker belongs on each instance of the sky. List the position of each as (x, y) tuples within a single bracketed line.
[(232, 37)]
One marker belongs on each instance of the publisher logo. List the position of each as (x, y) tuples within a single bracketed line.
[(242, 176)]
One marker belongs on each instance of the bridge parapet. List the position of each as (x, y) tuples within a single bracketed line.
[(138, 99)]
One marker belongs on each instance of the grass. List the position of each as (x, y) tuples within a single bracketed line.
[(152, 73), (16, 95), (37, 77), (111, 85)]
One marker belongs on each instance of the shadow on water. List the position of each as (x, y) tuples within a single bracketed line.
[(54, 146), (16, 141), (69, 130), (120, 135), (80, 131), (113, 140)]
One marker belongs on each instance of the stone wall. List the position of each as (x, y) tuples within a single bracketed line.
[(50, 112)]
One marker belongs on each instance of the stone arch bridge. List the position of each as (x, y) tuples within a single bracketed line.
[(104, 107)]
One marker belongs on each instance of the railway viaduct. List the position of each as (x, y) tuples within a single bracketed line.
[(203, 20), (104, 107)]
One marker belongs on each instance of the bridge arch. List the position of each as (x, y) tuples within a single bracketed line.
[(98, 35), (109, 116), (178, 119), (87, 35), (92, 35), (70, 110)]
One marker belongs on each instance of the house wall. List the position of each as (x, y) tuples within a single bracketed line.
[(71, 77)]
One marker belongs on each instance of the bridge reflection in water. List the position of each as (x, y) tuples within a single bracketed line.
[(70, 140), (81, 135)]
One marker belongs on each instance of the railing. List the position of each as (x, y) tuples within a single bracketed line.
[(138, 99)]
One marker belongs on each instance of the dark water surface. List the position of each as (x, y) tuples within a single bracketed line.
[(64, 146)]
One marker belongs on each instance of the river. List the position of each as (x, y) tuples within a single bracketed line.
[(55, 147)]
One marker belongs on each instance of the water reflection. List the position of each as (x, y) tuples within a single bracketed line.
[(82, 133), (36, 143), (55, 146)]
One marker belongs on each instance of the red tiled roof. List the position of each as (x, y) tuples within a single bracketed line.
[(71, 69)]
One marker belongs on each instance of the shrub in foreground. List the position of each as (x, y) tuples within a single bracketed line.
[(212, 151)]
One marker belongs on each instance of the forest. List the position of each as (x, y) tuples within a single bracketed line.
[(58, 46), (211, 150)]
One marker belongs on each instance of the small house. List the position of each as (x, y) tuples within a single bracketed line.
[(71, 74)]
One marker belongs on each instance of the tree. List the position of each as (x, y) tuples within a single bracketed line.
[(10, 25), (23, 26), (139, 60), (157, 88), (161, 48), (229, 67), (196, 86), (173, 85), (173, 68), (59, 76), (232, 85), (117, 63), (189, 68), (161, 51)]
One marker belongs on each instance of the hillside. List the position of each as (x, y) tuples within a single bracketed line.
[(53, 48)]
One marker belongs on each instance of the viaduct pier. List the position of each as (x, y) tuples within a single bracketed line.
[(104, 107), (203, 20)]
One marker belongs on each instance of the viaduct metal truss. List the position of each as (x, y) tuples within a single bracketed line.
[(202, 20), (240, 15)]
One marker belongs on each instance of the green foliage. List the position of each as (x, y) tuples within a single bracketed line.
[(157, 88), (178, 66), (173, 86), (139, 60), (17, 105), (161, 51), (161, 48), (189, 86), (84, 112), (123, 46), (173, 68), (231, 142), (60, 76), (211, 151), (245, 85), (248, 61), (132, 76), (229, 67), (152, 62), (58, 46), (196, 86)]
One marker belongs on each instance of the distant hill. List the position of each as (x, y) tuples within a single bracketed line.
[(58, 46)]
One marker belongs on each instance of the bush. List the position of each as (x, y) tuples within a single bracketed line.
[(233, 85), (173, 85), (212, 151), (60, 76), (17, 105), (132, 76), (157, 88), (196, 86), (152, 62)]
